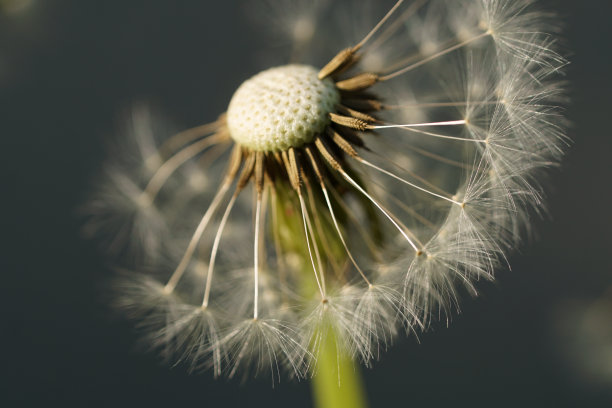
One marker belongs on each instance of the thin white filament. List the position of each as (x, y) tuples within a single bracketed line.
[(165, 171), (433, 57), (188, 136), (320, 230), (388, 173), (314, 268), (410, 11), (241, 354), (439, 158), (362, 191), (364, 234), (441, 104), (380, 24), (215, 248), (264, 214), (256, 259), (197, 235), (413, 125), (311, 231), (441, 136), (348, 252), (280, 264)]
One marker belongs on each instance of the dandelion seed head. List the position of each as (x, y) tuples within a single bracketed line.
[(344, 202)]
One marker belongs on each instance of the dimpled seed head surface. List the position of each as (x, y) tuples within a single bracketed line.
[(280, 108)]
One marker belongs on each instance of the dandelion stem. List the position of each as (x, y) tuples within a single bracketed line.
[(336, 383)]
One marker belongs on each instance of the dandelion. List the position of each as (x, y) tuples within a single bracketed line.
[(334, 208)]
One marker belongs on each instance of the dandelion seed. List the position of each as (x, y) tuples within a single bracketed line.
[(347, 201)]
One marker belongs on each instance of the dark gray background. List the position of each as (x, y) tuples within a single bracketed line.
[(68, 68)]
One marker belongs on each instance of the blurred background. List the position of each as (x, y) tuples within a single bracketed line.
[(540, 336)]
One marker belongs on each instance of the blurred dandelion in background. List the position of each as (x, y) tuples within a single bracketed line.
[(583, 338), (15, 6), (344, 198)]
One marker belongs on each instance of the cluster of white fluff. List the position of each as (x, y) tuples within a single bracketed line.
[(433, 208)]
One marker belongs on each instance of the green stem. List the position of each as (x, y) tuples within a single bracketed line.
[(337, 382)]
